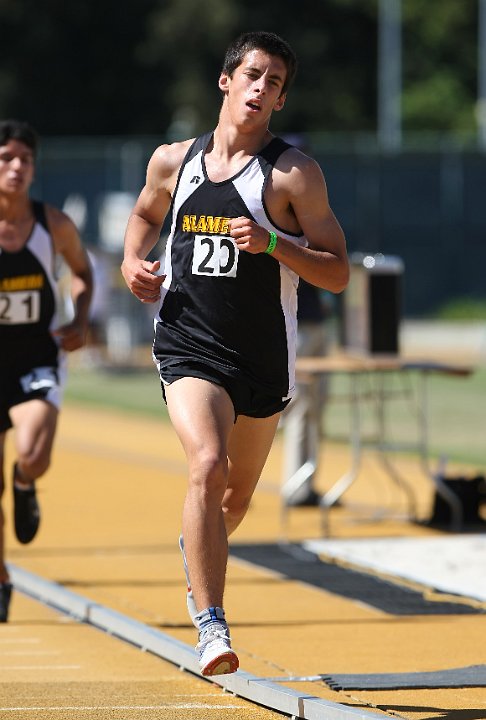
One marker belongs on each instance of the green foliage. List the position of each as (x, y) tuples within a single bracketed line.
[(151, 66), (439, 64), (463, 309)]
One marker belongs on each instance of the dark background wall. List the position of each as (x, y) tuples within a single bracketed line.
[(427, 208)]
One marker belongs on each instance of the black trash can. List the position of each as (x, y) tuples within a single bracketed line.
[(371, 305)]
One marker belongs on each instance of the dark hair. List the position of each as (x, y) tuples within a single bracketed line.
[(18, 130), (268, 42)]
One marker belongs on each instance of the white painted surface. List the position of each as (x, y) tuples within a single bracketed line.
[(454, 564)]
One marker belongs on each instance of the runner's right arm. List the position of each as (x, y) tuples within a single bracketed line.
[(145, 223)]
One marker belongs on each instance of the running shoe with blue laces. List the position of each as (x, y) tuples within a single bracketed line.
[(216, 656)]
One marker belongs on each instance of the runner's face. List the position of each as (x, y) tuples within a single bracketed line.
[(16, 167), (255, 89)]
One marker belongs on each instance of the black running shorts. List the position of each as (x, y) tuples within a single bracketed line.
[(247, 398)]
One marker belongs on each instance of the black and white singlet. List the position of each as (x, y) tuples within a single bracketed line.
[(31, 363), (227, 308)]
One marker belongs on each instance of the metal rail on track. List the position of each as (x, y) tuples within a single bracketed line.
[(251, 687)]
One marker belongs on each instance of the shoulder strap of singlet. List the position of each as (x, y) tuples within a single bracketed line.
[(200, 143), (40, 213), (274, 149), (270, 152)]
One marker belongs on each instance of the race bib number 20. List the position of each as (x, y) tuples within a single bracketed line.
[(215, 255)]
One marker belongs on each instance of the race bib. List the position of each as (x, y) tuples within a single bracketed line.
[(19, 308), (215, 256)]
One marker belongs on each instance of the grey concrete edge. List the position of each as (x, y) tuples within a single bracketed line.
[(243, 684)]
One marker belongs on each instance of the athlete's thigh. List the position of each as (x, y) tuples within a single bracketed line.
[(249, 445), (35, 423), (202, 415)]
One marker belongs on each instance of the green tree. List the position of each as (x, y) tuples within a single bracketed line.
[(335, 89), (151, 66), (72, 68), (439, 64)]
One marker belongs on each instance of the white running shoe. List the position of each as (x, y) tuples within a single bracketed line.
[(191, 605), (216, 656)]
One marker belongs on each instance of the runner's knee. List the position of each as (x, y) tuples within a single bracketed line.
[(235, 508), (209, 474), (34, 464)]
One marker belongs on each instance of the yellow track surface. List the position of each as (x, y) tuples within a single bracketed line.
[(111, 507)]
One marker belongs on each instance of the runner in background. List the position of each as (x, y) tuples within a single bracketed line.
[(33, 344)]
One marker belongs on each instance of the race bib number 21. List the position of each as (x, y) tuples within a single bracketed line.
[(214, 255), (19, 308)]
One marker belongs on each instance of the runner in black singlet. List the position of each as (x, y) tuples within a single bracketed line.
[(33, 345), (210, 273), (249, 216)]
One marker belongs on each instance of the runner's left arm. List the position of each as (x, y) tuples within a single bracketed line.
[(68, 243)]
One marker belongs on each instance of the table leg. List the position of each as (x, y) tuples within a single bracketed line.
[(436, 477), (330, 497), (382, 447)]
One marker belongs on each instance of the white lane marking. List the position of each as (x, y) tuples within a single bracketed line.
[(40, 667), (97, 708), (3, 653)]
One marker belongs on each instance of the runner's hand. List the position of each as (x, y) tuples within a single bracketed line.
[(142, 280), (248, 235), (71, 336)]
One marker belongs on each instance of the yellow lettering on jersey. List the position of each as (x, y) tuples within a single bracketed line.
[(201, 224), (213, 224), (205, 224), (187, 221), (22, 282)]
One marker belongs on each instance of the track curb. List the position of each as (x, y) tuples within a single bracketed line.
[(251, 687)]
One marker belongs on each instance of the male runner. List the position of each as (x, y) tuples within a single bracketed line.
[(33, 345), (249, 215)]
